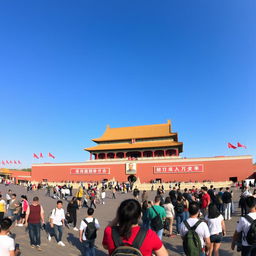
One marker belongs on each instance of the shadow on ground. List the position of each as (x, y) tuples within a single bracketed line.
[(73, 240)]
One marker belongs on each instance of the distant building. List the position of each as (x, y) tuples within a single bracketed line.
[(139, 141), (150, 152)]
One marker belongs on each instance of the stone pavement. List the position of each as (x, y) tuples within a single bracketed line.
[(104, 213)]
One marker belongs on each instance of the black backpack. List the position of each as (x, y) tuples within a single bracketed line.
[(179, 207), (251, 235), (123, 249), (156, 223), (91, 230), (226, 197)]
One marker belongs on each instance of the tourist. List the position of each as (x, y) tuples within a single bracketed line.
[(217, 228), (57, 219), (103, 196), (211, 193), (169, 209), (88, 233), (72, 211), (79, 195), (8, 197), (113, 193), (173, 195), (7, 245), (227, 199), (205, 201), (154, 213), (92, 199), (125, 227), (243, 228), (24, 207), (13, 208), (33, 218), (144, 196), (136, 193), (201, 229), (145, 219), (219, 201), (2, 208), (179, 212)]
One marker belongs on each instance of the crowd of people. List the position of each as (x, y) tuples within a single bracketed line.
[(199, 216)]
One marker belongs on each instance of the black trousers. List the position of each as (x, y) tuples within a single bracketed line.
[(73, 216), (1, 216)]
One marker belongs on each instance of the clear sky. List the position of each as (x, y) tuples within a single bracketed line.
[(69, 68)]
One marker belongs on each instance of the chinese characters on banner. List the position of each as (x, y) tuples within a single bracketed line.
[(179, 169), (90, 171)]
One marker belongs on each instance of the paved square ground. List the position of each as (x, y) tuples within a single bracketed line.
[(104, 213)]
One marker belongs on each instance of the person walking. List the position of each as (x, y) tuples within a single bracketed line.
[(88, 233), (7, 246), (2, 208), (244, 228), (57, 219), (156, 215), (33, 218), (179, 212), (103, 196), (215, 222), (72, 212), (125, 229), (170, 213), (227, 199), (200, 227), (205, 201)]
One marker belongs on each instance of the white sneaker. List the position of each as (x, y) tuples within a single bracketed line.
[(75, 229), (61, 243), (49, 238)]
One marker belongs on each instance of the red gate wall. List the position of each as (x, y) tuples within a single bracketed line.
[(214, 169)]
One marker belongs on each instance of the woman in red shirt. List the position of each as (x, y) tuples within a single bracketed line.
[(126, 222)]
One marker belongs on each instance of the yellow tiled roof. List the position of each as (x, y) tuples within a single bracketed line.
[(136, 132), (144, 144)]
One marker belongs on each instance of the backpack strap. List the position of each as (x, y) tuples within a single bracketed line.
[(93, 220), (249, 219), (196, 225), (155, 211), (139, 238), (187, 225), (116, 237), (86, 222)]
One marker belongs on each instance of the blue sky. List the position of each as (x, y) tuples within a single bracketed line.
[(69, 68)]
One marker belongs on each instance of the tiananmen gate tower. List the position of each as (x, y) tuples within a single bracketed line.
[(150, 152)]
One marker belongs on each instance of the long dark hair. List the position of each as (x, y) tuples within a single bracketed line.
[(128, 214), (213, 211)]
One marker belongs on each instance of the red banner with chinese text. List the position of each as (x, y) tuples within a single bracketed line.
[(95, 171), (179, 169)]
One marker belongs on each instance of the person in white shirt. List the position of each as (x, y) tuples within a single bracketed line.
[(243, 227), (103, 196), (170, 213), (7, 246), (57, 219), (88, 238), (202, 229), (217, 228)]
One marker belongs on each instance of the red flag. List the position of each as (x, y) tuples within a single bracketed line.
[(35, 156), (10, 162), (7, 161), (3, 162), (50, 155), (41, 155), (231, 146), (240, 145), (19, 162), (15, 162)]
